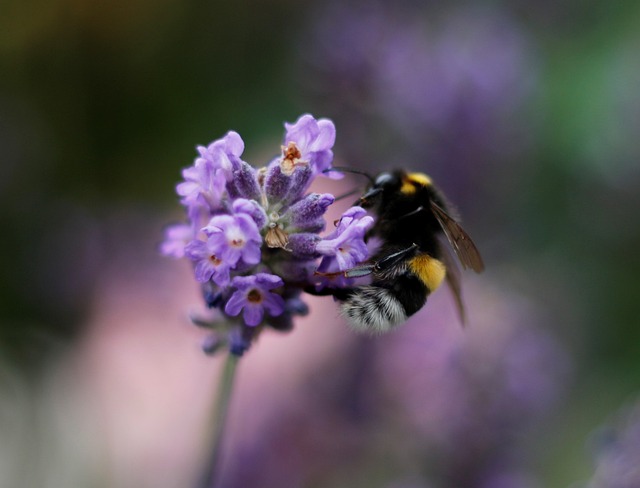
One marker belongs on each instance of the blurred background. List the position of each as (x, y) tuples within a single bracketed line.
[(527, 114)]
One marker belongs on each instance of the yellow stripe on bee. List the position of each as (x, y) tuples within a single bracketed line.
[(412, 181), (430, 271)]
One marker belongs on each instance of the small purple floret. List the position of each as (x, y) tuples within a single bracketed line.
[(208, 265), (346, 244), (233, 238), (223, 154), (315, 139), (253, 296)]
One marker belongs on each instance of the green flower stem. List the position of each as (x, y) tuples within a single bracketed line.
[(218, 420)]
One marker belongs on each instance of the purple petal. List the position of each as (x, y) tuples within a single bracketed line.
[(244, 282), (192, 173), (221, 275), (302, 132), (349, 256), (235, 303), (187, 188), (354, 212), (203, 270), (273, 303), (268, 281), (217, 243), (248, 227), (251, 253), (253, 314), (234, 143), (196, 250), (217, 225), (322, 161), (326, 137)]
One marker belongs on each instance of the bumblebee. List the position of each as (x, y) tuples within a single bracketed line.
[(411, 262)]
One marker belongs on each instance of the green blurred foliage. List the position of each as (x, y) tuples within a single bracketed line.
[(101, 106)]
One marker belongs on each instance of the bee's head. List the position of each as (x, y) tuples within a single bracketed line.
[(384, 184)]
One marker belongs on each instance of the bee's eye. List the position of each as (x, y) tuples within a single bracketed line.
[(384, 179)]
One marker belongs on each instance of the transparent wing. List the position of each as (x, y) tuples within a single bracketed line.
[(453, 280), (460, 241)]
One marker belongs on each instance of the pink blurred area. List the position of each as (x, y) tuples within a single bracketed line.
[(147, 387), (152, 388)]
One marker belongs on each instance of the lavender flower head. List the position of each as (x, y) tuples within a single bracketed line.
[(253, 235)]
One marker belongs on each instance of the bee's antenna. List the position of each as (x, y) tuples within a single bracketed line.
[(351, 170), (348, 194)]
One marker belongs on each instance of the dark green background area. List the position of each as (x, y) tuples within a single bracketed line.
[(101, 105)]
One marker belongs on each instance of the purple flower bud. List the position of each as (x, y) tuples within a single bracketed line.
[(252, 296), (238, 343), (276, 183), (212, 295), (211, 344), (308, 213), (244, 183), (296, 306), (303, 245), (300, 181)]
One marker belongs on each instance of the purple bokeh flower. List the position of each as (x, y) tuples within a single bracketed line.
[(446, 89), (253, 235), (618, 452), (176, 238), (472, 397), (253, 297), (438, 406)]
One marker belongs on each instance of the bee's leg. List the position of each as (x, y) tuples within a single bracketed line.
[(380, 265), (413, 212), (395, 258), (355, 272)]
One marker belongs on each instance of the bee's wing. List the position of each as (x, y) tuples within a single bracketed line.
[(453, 280), (460, 241)]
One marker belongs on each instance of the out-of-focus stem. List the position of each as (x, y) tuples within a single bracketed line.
[(218, 420)]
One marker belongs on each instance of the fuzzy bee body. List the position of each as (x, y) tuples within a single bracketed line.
[(412, 215)]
